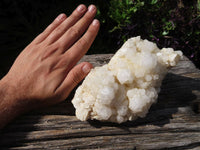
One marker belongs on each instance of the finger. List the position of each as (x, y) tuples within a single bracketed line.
[(76, 52), (70, 21), (76, 75), (76, 31), (50, 28)]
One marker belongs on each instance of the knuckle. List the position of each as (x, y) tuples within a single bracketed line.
[(50, 38), (59, 29), (76, 77), (56, 32), (87, 18), (62, 63), (74, 32), (50, 27), (83, 43), (75, 15)]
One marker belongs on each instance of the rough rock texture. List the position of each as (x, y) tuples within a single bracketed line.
[(128, 85)]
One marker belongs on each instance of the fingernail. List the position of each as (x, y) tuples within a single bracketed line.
[(95, 22), (80, 8), (91, 8), (86, 69), (61, 17)]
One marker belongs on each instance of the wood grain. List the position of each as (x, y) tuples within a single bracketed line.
[(172, 123)]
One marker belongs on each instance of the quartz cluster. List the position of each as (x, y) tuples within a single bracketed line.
[(128, 85)]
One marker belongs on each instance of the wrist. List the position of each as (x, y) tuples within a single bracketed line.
[(10, 104), (8, 92)]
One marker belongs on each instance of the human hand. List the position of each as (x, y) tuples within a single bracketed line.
[(46, 71)]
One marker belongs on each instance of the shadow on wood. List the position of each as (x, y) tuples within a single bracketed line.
[(176, 91)]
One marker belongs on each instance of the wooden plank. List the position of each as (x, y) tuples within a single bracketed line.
[(172, 123)]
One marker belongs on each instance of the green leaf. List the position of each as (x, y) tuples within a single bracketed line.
[(123, 15), (165, 33), (151, 36), (198, 5), (98, 12), (154, 2), (197, 32), (130, 2), (141, 3), (134, 9)]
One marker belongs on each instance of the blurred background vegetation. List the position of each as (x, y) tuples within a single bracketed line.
[(169, 23)]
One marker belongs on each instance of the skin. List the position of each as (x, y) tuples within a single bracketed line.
[(46, 72)]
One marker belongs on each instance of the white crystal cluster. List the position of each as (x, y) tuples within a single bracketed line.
[(128, 85)]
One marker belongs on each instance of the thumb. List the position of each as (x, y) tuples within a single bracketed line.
[(76, 75)]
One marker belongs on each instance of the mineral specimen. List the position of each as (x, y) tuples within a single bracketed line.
[(128, 85)]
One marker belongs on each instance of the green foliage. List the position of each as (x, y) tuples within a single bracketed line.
[(122, 11), (168, 26)]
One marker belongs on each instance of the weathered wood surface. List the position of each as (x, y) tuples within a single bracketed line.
[(172, 123)]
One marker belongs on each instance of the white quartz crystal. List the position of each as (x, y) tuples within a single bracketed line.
[(128, 85)]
